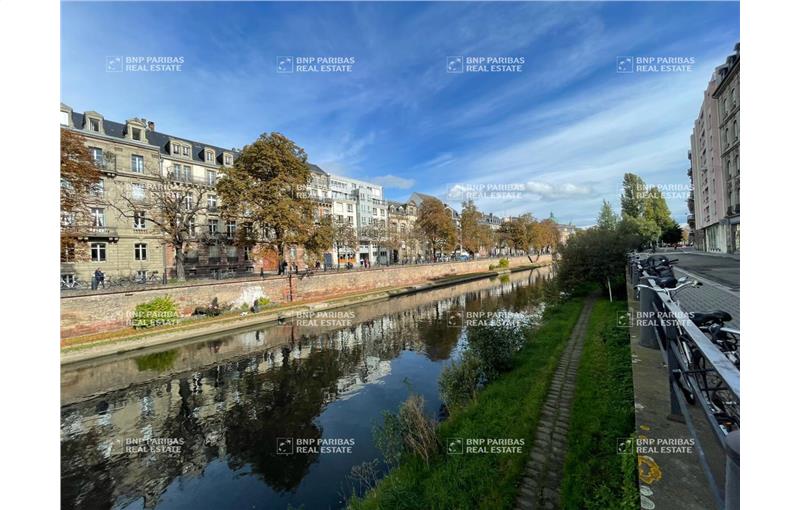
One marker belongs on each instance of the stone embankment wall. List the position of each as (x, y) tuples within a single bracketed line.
[(107, 311)]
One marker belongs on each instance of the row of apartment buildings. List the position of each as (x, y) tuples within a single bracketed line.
[(714, 203), (133, 156)]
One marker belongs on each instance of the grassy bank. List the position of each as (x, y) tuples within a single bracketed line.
[(595, 476), (507, 408)]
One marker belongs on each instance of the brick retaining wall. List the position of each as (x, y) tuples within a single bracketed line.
[(95, 313)]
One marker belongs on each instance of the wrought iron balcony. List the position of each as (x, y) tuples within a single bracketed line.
[(85, 233)]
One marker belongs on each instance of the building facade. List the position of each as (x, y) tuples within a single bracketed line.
[(135, 160), (714, 159), (727, 98), (405, 246), (362, 204)]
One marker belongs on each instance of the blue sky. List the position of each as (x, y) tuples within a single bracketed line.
[(566, 128)]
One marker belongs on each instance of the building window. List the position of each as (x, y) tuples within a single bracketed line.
[(98, 217), (246, 253), (140, 251), (98, 252), (68, 254), (349, 207), (185, 150), (230, 228), (137, 191), (178, 173), (212, 177), (67, 219), (213, 226), (98, 188), (139, 219), (137, 164), (94, 125), (176, 149), (209, 156), (212, 203), (228, 159), (188, 202), (97, 155), (137, 134)]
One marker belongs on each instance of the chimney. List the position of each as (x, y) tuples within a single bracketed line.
[(151, 126)]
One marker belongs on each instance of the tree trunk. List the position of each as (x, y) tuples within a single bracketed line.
[(281, 253), (180, 272)]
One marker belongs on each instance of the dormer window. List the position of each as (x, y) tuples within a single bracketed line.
[(94, 125), (228, 160), (209, 156), (179, 149), (136, 134)]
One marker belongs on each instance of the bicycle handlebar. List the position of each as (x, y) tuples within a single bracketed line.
[(670, 291)]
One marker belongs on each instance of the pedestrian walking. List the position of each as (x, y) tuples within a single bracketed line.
[(99, 279)]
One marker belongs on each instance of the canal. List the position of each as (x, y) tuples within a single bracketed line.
[(264, 419)]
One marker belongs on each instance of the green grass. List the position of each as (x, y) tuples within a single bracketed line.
[(507, 408), (595, 476)]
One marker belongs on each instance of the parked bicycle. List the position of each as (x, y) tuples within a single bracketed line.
[(717, 395), (73, 284), (144, 278)]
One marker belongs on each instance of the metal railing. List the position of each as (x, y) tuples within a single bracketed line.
[(664, 326)]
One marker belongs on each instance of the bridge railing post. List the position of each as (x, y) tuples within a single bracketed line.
[(732, 450), (648, 337)]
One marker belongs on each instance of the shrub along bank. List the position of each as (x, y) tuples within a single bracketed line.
[(427, 477), (596, 477)]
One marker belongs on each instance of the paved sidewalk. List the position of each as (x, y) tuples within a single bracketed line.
[(667, 480), (541, 483), (711, 296)]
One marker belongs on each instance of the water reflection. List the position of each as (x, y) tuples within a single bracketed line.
[(220, 406)]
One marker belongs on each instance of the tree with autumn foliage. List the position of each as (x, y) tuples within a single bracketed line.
[(435, 225), (79, 176), (474, 234), (549, 235), (266, 188), (321, 238)]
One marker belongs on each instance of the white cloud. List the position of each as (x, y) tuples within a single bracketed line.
[(548, 191), (393, 181)]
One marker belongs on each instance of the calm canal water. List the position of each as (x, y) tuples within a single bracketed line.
[(198, 426)]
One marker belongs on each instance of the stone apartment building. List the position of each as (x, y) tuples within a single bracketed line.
[(492, 220), (406, 247), (134, 158), (714, 203)]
